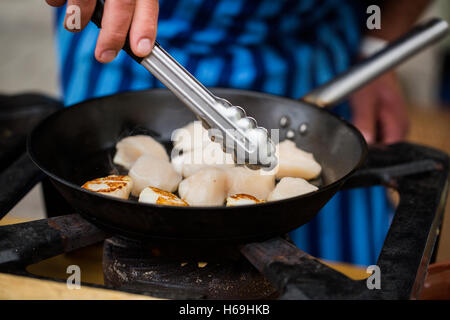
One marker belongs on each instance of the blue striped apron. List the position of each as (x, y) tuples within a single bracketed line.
[(283, 47)]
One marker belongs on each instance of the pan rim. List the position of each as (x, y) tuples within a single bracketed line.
[(85, 103)]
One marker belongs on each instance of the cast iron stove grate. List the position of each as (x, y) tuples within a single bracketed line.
[(418, 173)]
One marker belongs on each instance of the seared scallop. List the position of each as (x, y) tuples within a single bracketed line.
[(114, 186), (155, 172), (192, 161), (257, 183), (129, 149), (241, 200), (206, 187), (291, 187), (294, 162), (158, 196)]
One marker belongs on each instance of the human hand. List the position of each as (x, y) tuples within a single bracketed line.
[(379, 110), (139, 17)]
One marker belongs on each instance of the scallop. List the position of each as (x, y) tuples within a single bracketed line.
[(296, 163), (190, 137), (158, 196), (114, 186), (206, 187), (242, 199), (257, 183), (193, 161), (291, 187), (154, 172), (129, 149)]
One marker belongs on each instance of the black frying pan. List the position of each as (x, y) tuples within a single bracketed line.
[(76, 144)]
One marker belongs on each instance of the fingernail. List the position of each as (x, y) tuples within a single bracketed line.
[(144, 46), (108, 55)]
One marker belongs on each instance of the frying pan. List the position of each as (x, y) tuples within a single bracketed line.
[(76, 144)]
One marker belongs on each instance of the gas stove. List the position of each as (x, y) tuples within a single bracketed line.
[(274, 268)]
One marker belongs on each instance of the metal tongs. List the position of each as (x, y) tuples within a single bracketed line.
[(238, 133), (228, 124)]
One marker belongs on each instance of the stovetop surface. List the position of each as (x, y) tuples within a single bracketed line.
[(89, 259)]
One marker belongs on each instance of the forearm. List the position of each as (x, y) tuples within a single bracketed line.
[(397, 17)]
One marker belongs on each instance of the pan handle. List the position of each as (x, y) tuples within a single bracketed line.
[(336, 90)]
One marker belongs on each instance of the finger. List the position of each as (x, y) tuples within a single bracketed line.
[(55, 3), (74, 23), (393, 119), (117, 15), (143, 27), (364, 109)]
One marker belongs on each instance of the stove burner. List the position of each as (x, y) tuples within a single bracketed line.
[(182, 273)]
